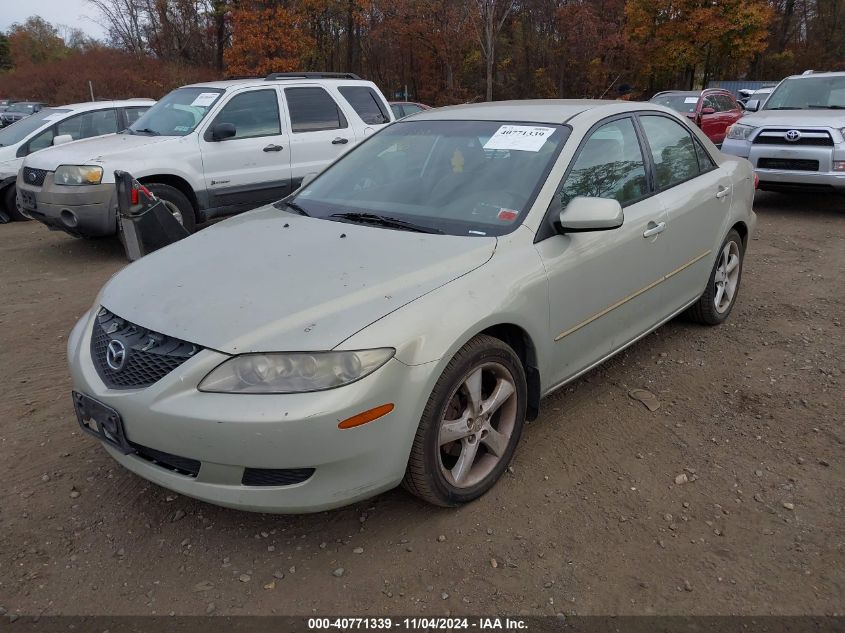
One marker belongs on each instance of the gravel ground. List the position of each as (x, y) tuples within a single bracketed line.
[(594, 518)]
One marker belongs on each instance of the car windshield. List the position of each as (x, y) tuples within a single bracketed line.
[(678, 102), (455, 177), (22, 107), (807, 93), (19, 130), (177, 113)]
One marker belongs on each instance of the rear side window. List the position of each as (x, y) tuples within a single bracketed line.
[(313, 109), (133, 114), (254, 113), (366, 104), (672, 148), (88, 124), (609, 165)]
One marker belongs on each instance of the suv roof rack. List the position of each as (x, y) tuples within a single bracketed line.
[(310, 75)]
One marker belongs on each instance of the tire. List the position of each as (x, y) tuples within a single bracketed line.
[(175, 198), (10, 204), (707, 310), (435, 471)]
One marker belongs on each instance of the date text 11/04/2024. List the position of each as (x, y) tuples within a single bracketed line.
[(416, 624)]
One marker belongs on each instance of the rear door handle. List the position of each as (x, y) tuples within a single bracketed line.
[(273, 148), (722, 192), (653, 229), (340, 141)]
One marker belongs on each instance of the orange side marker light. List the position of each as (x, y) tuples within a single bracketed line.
[(366, 416)]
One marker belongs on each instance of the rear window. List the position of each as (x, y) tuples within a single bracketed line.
[(366, 104), (313, 109)]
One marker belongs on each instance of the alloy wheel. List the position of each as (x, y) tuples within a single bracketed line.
[(726, 277)]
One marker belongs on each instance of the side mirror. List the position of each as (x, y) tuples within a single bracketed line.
[(61, 139), (752, 105), (222, 131), (591, 214), (708, 110)]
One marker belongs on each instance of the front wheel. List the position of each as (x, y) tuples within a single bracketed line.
[(10, 202), (177, 202), (470, 426), (719, 297)]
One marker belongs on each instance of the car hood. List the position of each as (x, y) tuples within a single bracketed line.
[(796, 118), (92, 150), (271, 281)]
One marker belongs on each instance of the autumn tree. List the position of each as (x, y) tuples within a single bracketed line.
[(35, 41), (491, 16)]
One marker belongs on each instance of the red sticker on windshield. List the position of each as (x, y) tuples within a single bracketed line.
[(509, 215)]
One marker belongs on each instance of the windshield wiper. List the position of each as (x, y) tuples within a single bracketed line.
[(146, 130), (826, 107), (294, 206), (385, 221)]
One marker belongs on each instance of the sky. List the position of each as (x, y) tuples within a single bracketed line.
[(74, 13)]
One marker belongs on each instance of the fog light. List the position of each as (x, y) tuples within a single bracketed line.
[(839, 165)]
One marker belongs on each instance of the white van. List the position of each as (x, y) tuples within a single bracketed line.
[(207, 150)]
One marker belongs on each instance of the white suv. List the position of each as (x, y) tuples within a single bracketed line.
[(207, 150)]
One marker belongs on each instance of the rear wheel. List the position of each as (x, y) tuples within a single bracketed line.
[(719, 297), (178, 203), (10, 203), (470, 426)]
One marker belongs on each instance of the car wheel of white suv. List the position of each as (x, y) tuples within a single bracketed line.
[(177, 202), (470, 426)]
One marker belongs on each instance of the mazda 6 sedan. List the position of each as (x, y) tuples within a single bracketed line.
[(397, 319)]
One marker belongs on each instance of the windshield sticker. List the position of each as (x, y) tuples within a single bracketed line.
[(182, 128), (519, 137), (204, 99), (508, 215), (691, 100), (457, 161), (471, 232)]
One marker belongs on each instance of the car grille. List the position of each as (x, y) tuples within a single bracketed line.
[(275, 476), (168, 461), (792, 164), (148, 355), (777, 136), (34, 177)]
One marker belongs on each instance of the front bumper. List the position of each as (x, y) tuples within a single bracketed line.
[(823, 178), (82, 211), (228, 433)]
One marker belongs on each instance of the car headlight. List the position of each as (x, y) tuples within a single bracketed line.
[(78, 175), (740, 132), (293, 372)]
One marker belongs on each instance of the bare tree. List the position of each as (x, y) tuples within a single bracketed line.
[(492, 14), (124, 21)]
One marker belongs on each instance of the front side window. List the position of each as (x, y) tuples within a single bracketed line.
[(366, 104), (726, 103), (808, 93), (313, 109), (609, 165), (672, 149), (15, 133), (177, 113), (472, 178), (254, 113)]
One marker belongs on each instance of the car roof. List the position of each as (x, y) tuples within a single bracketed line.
[(810, 75), (225, 84), (94, 105), (528, 110)]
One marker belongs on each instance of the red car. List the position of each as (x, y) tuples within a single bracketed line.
[(406, 108), (712, 110)]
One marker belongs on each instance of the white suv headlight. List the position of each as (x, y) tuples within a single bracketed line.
[(293, 372), (78, 175), (740, 132)]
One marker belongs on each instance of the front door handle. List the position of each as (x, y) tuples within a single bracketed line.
[(340, 141), (273, 148), (722, 192), (654, 228)]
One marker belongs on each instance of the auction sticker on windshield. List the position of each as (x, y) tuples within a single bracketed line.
[(528, 138), (205, 99)]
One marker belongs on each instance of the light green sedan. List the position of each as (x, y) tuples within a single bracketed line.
[(397, 319)]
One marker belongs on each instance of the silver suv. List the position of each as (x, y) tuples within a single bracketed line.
[(797, 139)]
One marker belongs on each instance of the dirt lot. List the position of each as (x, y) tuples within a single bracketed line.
[(589, 521)]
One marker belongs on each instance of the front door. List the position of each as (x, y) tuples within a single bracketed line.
[(252, 167), (604, 286)]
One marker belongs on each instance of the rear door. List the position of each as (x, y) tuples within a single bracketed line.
[(697, 197), (319, 130), (253, 167)]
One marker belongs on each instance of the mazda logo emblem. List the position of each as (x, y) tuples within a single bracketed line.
[(793, 135), (116, 355)]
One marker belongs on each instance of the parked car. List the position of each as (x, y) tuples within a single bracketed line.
[(402, 109), (54, 126), (400, 316), (761, 94), (208, 150), (19, 110), (713, 110), (4, 105), (796, 139)]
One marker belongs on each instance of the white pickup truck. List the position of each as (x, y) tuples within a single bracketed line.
[(207, 150)]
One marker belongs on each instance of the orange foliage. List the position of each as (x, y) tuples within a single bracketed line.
[(265, 40)]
